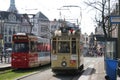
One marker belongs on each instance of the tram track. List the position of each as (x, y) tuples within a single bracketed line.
[(45, 67), (51, 76), (5, 70), (18, 74)]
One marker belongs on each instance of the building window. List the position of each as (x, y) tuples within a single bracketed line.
[(9, 38), (86, 39), (5, 30), (34, 29), (10, 32), (5, 39), (44, 28), (14, 31)]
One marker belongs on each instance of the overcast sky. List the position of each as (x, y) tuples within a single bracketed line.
[(50, 9)]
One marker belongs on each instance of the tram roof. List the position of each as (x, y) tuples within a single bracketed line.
[(24, 34), (67, 31), (40, 39)]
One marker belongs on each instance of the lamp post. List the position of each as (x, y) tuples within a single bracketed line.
[(119, 31)]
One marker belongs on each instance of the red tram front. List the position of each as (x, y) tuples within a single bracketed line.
[(29, 51)]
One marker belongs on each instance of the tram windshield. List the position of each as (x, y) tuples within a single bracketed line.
[(63, 47), (20, 47)]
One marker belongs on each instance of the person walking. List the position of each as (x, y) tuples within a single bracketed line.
[(1, 57)]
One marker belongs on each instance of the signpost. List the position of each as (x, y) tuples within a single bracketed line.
[(112, 51), (115, 19)]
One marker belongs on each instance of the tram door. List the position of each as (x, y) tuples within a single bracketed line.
[(73, 46)]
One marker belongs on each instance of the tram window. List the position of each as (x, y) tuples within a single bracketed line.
[(63, 47), (54, 45), (32, 46), (20, 47), (73, 47), (39, 47), (43, 46)]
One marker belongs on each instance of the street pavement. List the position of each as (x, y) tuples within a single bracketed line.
[(94, 71)]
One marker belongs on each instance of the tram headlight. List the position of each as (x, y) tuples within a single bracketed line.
[(13, 59), (57, 33), (64, 63), (71, 31)]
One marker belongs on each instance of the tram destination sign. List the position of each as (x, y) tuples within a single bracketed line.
[(115, 19), (20, 38)]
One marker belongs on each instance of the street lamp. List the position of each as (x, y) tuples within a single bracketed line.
[(80, 11)]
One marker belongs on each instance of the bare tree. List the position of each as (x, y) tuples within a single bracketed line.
[(103, 9)]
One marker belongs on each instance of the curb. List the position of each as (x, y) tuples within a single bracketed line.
[(87, 73), (5, 66)]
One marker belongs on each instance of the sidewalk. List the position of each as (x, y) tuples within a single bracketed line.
[(4, 65), (95, 71), (99, 71)]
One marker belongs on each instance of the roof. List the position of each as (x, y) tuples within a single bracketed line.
[(99, 37), (5, 14), (41, 16)]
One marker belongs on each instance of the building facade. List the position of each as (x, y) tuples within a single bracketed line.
[(41, 25), (12, 22)]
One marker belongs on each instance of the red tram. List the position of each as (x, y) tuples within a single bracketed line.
[(29, 51)]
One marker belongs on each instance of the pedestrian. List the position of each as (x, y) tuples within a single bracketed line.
[(8, 56), (1, 57), (5, 56)]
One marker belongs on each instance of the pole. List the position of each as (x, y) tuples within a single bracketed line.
[(109, 25), (119, 32)]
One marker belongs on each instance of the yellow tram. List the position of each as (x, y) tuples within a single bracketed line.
[(66, 55)]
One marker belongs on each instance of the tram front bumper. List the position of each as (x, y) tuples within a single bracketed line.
[(66, 69)]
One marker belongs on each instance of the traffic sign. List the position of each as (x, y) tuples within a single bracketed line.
[(115, 19)]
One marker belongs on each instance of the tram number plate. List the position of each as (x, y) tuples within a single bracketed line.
[(73, 57), (54, 57)]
